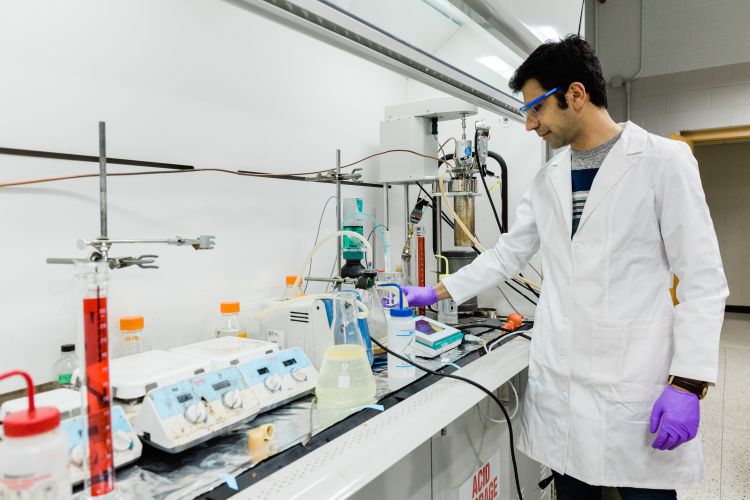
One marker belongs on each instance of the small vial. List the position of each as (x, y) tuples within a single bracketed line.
[(131, 335), (447, 311), (66, 365), (230, 325)]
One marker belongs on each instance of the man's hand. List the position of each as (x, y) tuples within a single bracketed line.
[(420, 296), (676, 414)]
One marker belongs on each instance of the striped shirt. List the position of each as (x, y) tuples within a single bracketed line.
[(584, 166)]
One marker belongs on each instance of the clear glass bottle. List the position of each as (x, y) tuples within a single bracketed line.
[(230, 325), (66, 365), (131, 335), (345, 379)]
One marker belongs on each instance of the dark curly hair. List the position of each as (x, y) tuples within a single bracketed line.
[(561, 63)]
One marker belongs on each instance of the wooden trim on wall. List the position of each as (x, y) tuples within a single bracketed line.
[(714, 135), (678, 137)]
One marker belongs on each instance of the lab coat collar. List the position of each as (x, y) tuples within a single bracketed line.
[(619, 160)]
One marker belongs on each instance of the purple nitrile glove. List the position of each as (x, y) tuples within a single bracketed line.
[(420, 296), (679, 413)]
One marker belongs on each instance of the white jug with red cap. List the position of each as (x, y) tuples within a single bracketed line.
[(33, 452)]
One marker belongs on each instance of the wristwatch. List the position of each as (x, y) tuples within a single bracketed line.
[(697, 387)]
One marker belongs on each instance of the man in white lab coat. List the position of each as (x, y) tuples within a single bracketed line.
[(616, 370)]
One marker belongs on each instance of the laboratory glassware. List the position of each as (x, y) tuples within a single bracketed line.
[(376, 320), (345, 379), (99, 470), (66, 366), (230, 324), (131, 335)]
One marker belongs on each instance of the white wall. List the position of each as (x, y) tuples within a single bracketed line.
[(725, 174), (198, 82), (707, 98), (680, 35)]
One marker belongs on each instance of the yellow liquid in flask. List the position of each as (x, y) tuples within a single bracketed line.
[(345, 379)]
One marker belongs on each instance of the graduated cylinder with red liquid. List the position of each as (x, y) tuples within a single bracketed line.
[(93, 278), (420, 262)]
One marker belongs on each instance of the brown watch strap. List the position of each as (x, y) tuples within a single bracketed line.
[(697, 387)]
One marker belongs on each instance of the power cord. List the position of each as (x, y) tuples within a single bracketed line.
[(506, 338), (482, 174), (481, 388), (515, 410)]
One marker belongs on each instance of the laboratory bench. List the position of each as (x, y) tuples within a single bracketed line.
[(423, 440)]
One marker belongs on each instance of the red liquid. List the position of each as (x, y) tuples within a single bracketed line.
[(420, 267), (97, 380)]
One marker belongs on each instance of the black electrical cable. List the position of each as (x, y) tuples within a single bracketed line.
[(510, 336), (503, 186), (444, 216), (519, 292), (489, 328), (526, 286), (580, 19), (478, 386), (482, 173), (452, 226)]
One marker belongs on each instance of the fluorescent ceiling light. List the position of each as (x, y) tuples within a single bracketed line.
[(545, 33), (497, 65), (448, 10)]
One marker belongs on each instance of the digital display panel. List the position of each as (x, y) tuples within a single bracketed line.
[(427, 328), (290, 362), (184, 397), (263, 371), (221, 385)]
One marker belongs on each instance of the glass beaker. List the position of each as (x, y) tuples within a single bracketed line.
[(345, 379), (376, 319)]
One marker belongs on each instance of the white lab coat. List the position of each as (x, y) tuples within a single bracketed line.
[(606, 334)]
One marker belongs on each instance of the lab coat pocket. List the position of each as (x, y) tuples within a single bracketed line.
[(629, 358), (628, 443)]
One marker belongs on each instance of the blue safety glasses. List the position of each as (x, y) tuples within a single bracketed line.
[(531, 109)]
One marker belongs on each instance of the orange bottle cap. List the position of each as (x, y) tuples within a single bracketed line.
[(291, 280), (230, 307), (130, 323)]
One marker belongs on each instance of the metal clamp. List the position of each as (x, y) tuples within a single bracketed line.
[(355, 175), (202, 242), (144, 262)]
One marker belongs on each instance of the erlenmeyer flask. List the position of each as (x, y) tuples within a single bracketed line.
[(345, 379)]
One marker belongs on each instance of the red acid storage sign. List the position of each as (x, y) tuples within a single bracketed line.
[(484, 483)]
